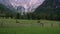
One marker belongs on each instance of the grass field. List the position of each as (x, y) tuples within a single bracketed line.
[(28, 29), (27, 21)]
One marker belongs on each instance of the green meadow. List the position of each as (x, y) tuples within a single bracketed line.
[(27, 21), (28, 29)]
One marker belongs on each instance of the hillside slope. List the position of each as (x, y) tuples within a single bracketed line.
[(4, 11), (50, 9)]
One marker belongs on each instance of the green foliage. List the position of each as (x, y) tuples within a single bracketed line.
[(18, 16), (49, 10), (6, 12)]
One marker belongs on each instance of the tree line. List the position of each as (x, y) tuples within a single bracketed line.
[(42, 12)]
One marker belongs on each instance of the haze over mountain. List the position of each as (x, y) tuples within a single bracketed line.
[(27, 4)]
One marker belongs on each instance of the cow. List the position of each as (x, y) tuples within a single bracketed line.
[(17, 21), (39, 22)]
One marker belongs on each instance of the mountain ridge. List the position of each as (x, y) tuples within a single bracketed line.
[(50, 9), (27, 4)]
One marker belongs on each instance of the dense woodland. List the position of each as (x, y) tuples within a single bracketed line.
[(49, 10)]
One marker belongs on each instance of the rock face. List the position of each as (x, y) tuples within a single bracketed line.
[(20, 8), (27, 4)]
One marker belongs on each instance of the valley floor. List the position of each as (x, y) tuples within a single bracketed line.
[(9, 26)]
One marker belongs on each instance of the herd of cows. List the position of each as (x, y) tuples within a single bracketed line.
[(38, 23)]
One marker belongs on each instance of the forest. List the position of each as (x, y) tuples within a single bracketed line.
[(49, 10)]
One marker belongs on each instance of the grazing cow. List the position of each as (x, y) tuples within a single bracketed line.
[(59, 24), (51, 24), (1, 24), (17, 21), (40, 23)]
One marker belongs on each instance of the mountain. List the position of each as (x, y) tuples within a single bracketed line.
[(5, 11), (49, 4), (20, 8), (29, 5), (4, 8), (49, 9)]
